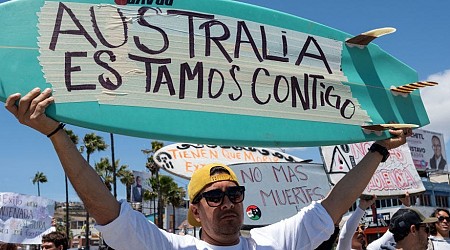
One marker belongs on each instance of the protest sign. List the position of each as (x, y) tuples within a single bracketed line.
[(278, 190), (392, 178), (24, 218), (182, 159)]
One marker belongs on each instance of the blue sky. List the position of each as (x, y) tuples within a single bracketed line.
[(422, 41)]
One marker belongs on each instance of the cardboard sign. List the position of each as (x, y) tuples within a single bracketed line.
[(24, 218), (278, 190), (182, 159), (392, 178), (428, 151)]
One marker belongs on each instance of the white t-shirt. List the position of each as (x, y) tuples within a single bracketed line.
[(440, 243), (305, 230)]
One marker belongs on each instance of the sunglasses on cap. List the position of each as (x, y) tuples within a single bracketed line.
[(214, 197), (442, 218)]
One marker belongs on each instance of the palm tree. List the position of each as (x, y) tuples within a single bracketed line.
[(92, 143), (176, 197), (126, 178), (74, 138), (151, 165), (154, 169), (168, 193), (39, 177), (104, 170)]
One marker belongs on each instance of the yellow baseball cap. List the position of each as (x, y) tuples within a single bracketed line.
[(203, 177)]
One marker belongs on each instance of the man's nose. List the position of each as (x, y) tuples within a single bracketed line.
[(227, 202)]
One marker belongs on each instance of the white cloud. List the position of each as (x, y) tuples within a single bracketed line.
[(437, 103)]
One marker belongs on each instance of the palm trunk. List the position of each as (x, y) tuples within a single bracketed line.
[(128, 190), (113, 165), (86, 230), (39, 190), (67, 209), (173, 222)]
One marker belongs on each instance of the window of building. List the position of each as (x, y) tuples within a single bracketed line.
[(441, 201), (421, 200)]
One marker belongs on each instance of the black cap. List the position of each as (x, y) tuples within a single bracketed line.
[(404, 218)]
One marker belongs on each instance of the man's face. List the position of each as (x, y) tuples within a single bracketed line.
[(442, 225), (221, 225), (436, 146), (138, 181), (359, 239), (49, 246), (422, 236)]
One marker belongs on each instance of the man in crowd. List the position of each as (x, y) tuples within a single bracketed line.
[(410, 230), (214, 192), (54, 241)]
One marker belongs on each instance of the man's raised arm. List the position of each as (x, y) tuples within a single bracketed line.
[(30, 111), (350, 187)]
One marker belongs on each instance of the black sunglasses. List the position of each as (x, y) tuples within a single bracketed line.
[(214, 197), (442, 218)]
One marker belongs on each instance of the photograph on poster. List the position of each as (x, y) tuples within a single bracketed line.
[(428, 151)]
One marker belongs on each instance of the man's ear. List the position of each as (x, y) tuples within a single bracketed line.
[(413, 229), (194, 208)]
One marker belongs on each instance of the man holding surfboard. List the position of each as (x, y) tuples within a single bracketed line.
[(215, 194)]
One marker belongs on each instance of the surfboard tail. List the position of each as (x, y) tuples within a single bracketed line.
[(365, 38), (408, 88)]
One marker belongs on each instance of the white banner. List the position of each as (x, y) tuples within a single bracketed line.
[(278, 190), (428, 151), (24, 218), (182, 159), (392, 178)]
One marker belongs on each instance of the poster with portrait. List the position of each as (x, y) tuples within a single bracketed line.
[(141, 184), (392, 178), (428, 151)]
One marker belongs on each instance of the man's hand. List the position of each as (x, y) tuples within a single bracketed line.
[(398, 138), (30, 109), (406, 201), (364, 203)]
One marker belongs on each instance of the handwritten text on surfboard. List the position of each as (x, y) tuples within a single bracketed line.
[(144, 56)]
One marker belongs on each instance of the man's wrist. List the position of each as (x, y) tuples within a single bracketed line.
[(382, 150)]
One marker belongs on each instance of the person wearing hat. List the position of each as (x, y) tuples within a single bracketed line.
[(410, 230), (215, 194), (352, 235)]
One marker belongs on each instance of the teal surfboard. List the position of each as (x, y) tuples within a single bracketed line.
[(206, 71)]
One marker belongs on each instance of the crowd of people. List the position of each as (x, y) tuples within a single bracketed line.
[(216, 196), (51, 241)]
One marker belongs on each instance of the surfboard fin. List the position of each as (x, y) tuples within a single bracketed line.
[(408, 88), (382, 127), (367, 37)]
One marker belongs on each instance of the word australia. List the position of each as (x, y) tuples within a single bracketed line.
[(156, 57)]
